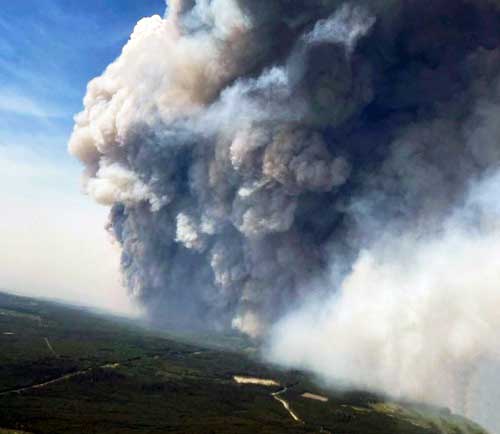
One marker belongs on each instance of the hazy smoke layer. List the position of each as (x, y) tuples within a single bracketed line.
[(252, 148), (416, 317)]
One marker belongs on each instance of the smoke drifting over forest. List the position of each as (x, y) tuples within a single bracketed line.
[(317, 173)]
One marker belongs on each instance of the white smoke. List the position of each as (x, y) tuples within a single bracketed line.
[(346, 26), (416, 318)]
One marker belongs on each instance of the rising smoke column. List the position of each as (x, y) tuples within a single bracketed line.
[(206, 137), (247, 148)]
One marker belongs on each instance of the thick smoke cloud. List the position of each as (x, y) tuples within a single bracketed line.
[(416, 317), (250, 149)]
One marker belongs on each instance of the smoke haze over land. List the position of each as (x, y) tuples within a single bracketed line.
[(321, 174), (417, 316), (49, 236)]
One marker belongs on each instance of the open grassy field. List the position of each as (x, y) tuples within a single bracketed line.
[(68, 370)]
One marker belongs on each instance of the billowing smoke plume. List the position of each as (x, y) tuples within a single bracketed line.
[(251, 149), (417, 316)]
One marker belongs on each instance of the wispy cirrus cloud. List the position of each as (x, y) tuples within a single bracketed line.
[(14, 102)]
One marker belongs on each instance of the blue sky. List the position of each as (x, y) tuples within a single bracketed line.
[(53, 241), (49, 50)]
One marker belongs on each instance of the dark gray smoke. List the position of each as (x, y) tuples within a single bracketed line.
[(245, 145), (231, 137)]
